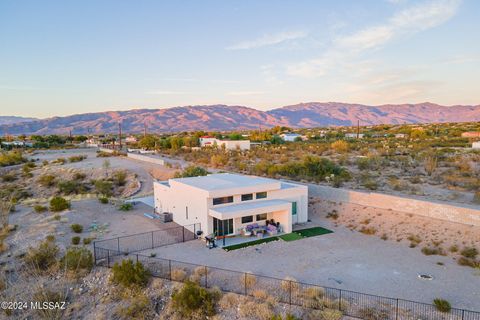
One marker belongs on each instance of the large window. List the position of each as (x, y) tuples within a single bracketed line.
[(261, 217), (248, 196), (222, 200), (261, 195), (247, 219), (222, 227)]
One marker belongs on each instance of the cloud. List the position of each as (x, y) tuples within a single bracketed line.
[(268, 40), (245, 93), (411, 20)]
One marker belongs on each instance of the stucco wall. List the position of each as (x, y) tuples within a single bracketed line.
[(148, 159), (439, 210)]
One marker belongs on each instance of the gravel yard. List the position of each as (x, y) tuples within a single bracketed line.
[(348, 260)]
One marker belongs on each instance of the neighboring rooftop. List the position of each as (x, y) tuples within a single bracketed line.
[(219, 181)]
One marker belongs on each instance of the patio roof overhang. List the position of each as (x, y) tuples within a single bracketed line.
[(249, 208)]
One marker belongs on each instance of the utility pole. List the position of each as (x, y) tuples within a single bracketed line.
[(120, 134), (144, 129), (358, 129)]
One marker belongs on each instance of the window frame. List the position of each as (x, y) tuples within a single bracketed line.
[(251, 219), (247, 194), (261, 193), (229, 200), (261, 214)]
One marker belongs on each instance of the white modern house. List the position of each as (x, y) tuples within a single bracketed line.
[(233, 205), (476, 145), (290, 137), (208, 141)]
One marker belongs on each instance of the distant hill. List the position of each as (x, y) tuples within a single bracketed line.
[(13, 119), (222, 117)]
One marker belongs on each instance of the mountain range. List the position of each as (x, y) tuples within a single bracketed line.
[(224, 118)]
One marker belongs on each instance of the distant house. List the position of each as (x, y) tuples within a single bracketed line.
[(476, 145), (353, 135), (291, 137), (209, 141), (400, 135), (471, 134), (18, 144), (131, 139), (92, 142)]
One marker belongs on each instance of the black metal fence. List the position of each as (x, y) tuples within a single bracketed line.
[(350, 303), (111, 248)]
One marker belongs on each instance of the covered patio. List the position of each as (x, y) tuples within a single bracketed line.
[(253, 221)]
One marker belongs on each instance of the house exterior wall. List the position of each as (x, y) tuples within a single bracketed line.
[(176, 197), (476, 145)]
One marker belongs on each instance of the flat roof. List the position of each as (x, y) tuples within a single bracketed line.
[(220, 181), (249, 208)]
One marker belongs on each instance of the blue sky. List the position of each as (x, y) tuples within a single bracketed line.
[(66, 57)]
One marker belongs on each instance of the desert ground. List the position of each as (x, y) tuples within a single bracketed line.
[(345, 259)]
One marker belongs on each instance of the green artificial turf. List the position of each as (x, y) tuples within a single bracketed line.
[(248, 244), (304, 233)]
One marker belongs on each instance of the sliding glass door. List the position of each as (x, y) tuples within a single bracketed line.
[(222, 227)]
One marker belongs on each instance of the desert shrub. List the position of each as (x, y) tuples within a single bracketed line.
[(191, 171), (120, 178), (57, 217), (428, 251), (442, 305), (45, 162), (138, 307), (103, 200), (194, 301), (104, 187), (339, 146), (469, 252), (87, 241), (230, 300), (256, 310), (313, 297), (453, 248), (373, 314), (60, 161), (39, 208), (46, 180), (125, 207), (178, 274), (50, 238), (333, 215), (48, 295), (59, 204), (77, 228), (77, 258), (370, 184), (9, 177), (129, 274), (368, 230), (75, 240), (325, 314), (288, 316), (43, 256), (468, 262), (198, 274), (289, 283), (11, 158), (79, 176), (248, 280), (70, 187), (77, 158)]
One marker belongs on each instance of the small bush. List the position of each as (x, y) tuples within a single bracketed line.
[(87, 241), (462, 261), (138, 307), (75, 240), (368, 230), (9, 177), (129, 274), (79, 176), (77, 258), (104, 187), (442, 305), (59, 204), (39, 208), (77, 228), (46, 180), (120, 178), (333, 215), (103, 200), (44, 256), (192, 300), (48, 295), (126, 207), (50, 238), (178, 274), (432, 251), (77, 158), (470, 252), (60, 161), (70, 187)]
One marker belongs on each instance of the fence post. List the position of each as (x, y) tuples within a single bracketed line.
[(137, 257), (94, 254), (340, 301), (152, 240), (118, 245), (108, 258), (463, 314), (245, 283), (206, 277), (183, 233), (170, 268), (396, 311), (290, 291)]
